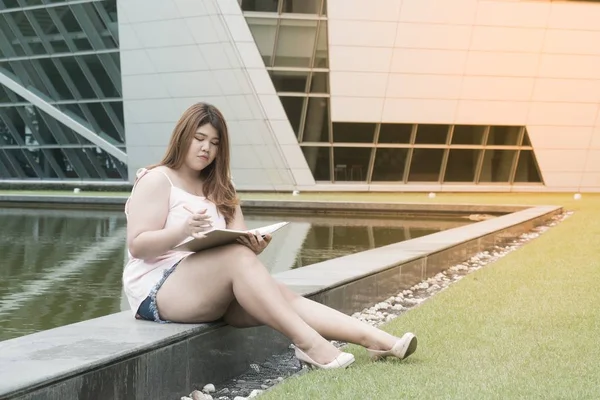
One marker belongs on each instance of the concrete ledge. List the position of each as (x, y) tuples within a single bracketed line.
[(373, 207), (118, 357), (85, 201)]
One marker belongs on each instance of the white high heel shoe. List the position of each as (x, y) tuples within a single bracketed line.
[(403, 348), (342, 361)]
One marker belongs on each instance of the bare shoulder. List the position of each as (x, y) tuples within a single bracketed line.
[(154, 182)]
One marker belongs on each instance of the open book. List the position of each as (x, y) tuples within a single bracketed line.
[(220, 237)]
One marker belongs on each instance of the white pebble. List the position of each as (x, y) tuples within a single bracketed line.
[(198, 395), (433, 288), (255, 393), (210, 388), (239, 398), (577, 196)]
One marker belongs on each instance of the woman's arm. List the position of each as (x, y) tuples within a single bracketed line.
[(148, 209), (238, 222)]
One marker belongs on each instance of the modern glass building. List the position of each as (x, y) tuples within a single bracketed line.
[(397, 95), (61, 107)]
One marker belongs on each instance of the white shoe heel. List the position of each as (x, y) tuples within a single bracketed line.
[(403, 348), (344, 360)]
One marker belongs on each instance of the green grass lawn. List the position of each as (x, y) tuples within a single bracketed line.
[(525, 327)]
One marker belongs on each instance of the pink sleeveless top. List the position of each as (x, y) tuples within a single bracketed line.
[(140, 276)]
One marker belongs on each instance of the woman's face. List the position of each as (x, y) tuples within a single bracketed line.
[(204, 147)]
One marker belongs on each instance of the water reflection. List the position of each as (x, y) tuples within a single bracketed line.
[(58, 267), (325, 238), (63, 266)]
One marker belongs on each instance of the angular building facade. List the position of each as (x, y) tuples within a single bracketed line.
[(327, 95), (61, 108)]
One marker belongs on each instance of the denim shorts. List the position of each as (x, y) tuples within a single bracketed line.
[(148, 309)]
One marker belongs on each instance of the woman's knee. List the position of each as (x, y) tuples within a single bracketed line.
[(238, 255), (287, 293)]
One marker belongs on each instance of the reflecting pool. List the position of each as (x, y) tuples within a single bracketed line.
[(63, 266)]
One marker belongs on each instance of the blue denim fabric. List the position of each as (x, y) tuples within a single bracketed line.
[(148, 309)]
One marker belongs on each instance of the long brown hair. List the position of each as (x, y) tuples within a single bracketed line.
[(217, 186)]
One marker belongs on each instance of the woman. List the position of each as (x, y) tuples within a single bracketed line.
[(189, 192)]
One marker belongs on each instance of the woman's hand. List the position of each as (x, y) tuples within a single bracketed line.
[(196, 223), (255, 242)]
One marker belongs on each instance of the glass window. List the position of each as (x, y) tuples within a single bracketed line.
[(425, 165), (497, 165), (316, 127), (263, 31), (353, 132), (527, 168), (114, 168), (4, 94), (102, 119), (290, 81), (319, 82), (526, 141), (78, 78), (27, 122), (468, 134), (504, 136), (6, 169), (117, 107), (81, 44), (16, 50), (431, 134), (64, 163), (318, 159), (14, 164), (294, 109), (461, 166), (74, 111), (302, 6), (11, 4), (351, 163), (321, 52), (100, 75), (395, 133), (295, 43), (389, 165), (260, 5), (23, 25), (36, 156)]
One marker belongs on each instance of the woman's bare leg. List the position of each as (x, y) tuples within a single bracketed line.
[(330, 323), (204, 285)]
